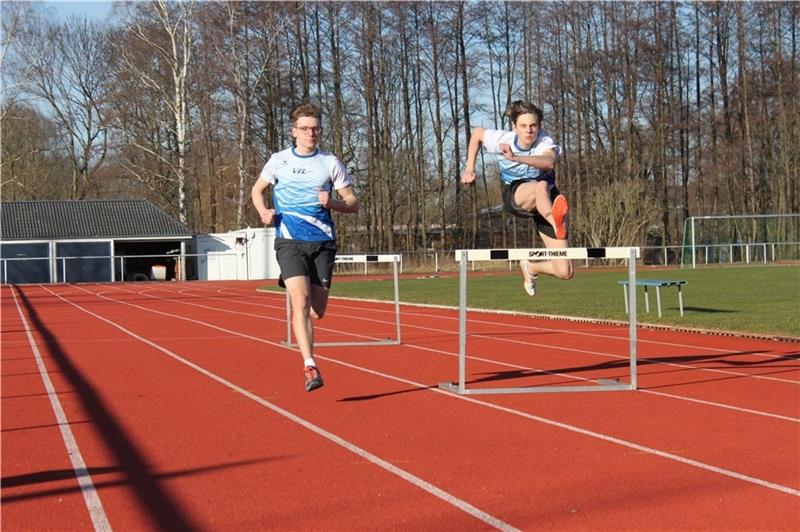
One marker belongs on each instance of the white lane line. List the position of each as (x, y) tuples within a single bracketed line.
[(388, 466), (518, 314), (550, 346), (92, 500), (559, 424), (590, 433), (493, 361)]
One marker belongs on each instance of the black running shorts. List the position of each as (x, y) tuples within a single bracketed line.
[(314, 260), (511, 207)]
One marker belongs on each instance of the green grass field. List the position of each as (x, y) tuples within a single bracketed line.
[(752, 299)]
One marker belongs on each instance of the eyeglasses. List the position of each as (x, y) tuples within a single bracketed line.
[(306, 129)]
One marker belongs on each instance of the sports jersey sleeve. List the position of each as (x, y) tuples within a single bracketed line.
[(545, 144), (268, 172), (339, 175), (492, 138)]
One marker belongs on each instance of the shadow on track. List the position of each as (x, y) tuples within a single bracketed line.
[(164, 511)]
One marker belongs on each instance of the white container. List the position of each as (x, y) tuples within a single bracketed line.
[(237, 255), (158, 273), (259, 252)]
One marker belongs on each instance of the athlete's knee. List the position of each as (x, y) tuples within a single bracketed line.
[(564, 271), (301, 302), (318, 307), (527, 203), (319, 301)]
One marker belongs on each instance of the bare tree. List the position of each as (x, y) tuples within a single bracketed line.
[(623, 211), (66, 71), (462, 62), (751, 198), (245, 63), (166, 30), (17, 18), (435, 109), (32, 164), (698, 102)]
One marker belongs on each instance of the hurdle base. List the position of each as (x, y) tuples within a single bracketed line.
[(339, 344), (602, 386)]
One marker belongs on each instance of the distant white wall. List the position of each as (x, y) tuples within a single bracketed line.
[(237, 255)]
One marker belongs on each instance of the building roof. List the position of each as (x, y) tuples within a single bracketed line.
[(70, 219)]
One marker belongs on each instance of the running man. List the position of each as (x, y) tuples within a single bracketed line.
[(527, 156), (302, 178)]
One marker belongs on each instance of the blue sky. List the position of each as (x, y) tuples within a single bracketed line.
[(93, 10)]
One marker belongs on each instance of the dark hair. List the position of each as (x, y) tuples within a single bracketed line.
[(521, 107), (304, 109)]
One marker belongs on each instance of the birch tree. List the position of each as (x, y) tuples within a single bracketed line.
[(166, 30)]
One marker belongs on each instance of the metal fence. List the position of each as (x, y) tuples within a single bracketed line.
[(746, 253), (224, 266), (104, 268)]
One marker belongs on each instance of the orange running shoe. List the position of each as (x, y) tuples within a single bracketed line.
[(313, 378), (560, 211)]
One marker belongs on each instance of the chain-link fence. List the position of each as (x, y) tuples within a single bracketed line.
[(225, 266)]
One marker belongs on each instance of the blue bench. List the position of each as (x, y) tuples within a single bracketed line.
[(658, 283)]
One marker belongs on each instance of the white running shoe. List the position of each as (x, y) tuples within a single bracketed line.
[(530, 280)]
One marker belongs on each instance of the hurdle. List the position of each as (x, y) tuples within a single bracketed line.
[(465, 256), (356, 259)]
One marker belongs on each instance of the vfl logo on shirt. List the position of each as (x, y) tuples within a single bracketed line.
[(298, 170)]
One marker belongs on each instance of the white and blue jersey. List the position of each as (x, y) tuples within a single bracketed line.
[(511, 171), (297, 181)]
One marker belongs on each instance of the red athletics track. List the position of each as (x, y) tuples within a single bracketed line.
[(187, 413)]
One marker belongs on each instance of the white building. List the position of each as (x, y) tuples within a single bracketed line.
[(72, 241), (243, 254)]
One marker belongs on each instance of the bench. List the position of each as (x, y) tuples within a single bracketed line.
[(658, 283)]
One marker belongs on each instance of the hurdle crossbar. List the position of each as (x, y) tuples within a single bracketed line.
[(355, 259), (465, 256)]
